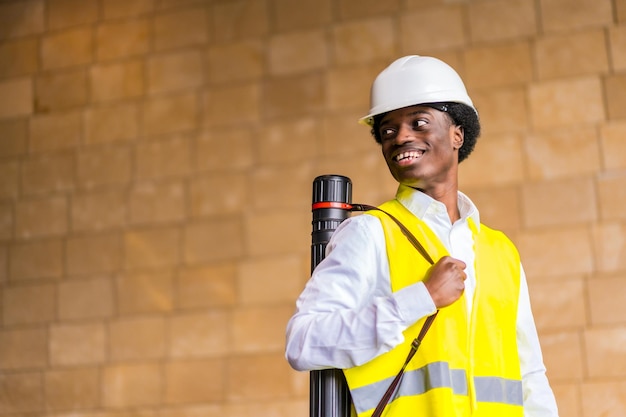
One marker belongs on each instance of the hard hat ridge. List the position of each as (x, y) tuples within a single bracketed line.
[(413, 80)]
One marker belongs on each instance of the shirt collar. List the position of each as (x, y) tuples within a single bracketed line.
[(418, 203)]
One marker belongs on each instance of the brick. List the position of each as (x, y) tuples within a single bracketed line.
[(617, 42), (67, 389), (565, 55), (270, 280), (114, 9), (286, 97), (306, 14), (346, 87), (264, 232), (152, 248), (206, 286), (609, 247), (551, 298), (556, 103), (100, 210), (503, 64), (428, 34), (14, 137), (55, 131), (500, 208), (145, 292), (68, 48), (29, 304), (232, 105), (21, 19), (219, 195), (213, 410), (240, 19), (563, 355), (88, 299), (349, 9), (612, 196), (19, 57), (7, 221), (132, 385), (93, 254), (181, 28), (563, 15), (557, 203), (605, 351), (182, 381), (21, 392), (269, 190), (16, 97), (4, 263), (60, 90), (495, 161), (214, 151), (562, 153), (200, 334), (163, 158), (174, 71), (612, 145), (121, 39), (238, 61), (157, 202), (104, 124), (297, 52), (137, 338), (567, 395), (117, 80), (557, 252), (603, 398), (104, 165), (215, 240), (501, 110), (606, 300), (77, 344), (620, 10), (48, 172), (349, 38), (248, 377), (170, 114), (340, 135), (497, 21), (36, 260), (22, 348), (613, 86), (41, 217), (67, 13), (260, 329)]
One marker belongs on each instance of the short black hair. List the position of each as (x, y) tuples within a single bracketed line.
[(461, 115)]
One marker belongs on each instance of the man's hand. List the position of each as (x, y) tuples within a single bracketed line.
[(445, 281)]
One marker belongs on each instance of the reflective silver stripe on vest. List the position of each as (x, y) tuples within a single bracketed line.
[(439, 375)]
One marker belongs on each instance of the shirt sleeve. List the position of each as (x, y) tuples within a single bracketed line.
[(539, 399), (347, 314)]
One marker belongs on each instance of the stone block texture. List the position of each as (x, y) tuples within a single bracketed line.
[(156, 161)]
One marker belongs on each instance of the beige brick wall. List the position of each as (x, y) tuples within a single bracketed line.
[(156, 160)]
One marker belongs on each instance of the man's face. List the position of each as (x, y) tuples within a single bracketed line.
[(420, 145)]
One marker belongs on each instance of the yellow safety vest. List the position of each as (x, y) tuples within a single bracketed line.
[(465, 366)]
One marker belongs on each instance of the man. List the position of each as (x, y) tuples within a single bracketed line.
[(369, 298)]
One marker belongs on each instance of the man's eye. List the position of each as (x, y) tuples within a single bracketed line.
[(387, 131), (418, 123)]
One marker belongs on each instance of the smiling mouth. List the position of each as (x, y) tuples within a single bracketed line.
[(407, 157)]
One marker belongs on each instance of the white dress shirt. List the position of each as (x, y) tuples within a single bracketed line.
[(347, 314)]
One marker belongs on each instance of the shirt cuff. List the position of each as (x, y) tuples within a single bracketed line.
[(413, 303)]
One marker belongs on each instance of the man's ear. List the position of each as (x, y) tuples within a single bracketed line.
[(458, 136)]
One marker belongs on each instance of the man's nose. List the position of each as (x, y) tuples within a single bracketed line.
[(405, 134)]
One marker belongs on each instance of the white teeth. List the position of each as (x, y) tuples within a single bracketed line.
[(409, 154)]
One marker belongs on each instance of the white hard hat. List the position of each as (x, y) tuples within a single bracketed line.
[(413, 80)]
